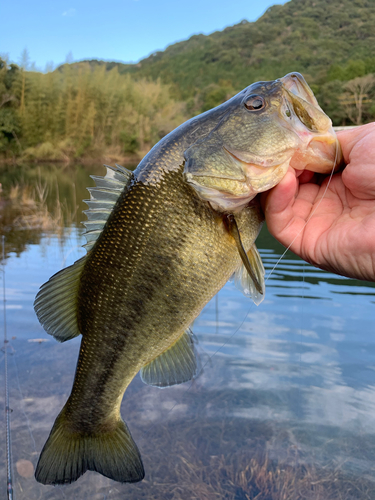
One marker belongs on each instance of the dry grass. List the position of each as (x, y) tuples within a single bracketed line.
[(246, 477), (195, 456), (236, 468), (32, 212)]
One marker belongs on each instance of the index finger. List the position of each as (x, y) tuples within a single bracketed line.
[(349, 138), (358, 146)]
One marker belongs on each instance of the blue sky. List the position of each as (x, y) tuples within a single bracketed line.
[(120, 30)]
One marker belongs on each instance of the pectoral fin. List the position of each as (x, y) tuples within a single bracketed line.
[(245, 283), (176, 365), (251, 264)]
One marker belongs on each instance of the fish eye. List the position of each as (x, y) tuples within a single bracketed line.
[(255, 103)]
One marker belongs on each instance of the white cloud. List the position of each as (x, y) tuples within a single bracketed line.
[(69, 12)]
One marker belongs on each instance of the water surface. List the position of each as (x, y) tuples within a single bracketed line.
[(284, 406)]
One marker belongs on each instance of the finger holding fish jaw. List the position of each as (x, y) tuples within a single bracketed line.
[(329, 220), (279, 124), (161, 242)]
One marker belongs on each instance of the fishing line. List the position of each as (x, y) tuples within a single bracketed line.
[(23, 405), (266, 279), (301, 334), (311, 214), (7, 407), (283, 254)]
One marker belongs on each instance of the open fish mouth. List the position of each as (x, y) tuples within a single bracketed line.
[(277, 124), (319, 149)]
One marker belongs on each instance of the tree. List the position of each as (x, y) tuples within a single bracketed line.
[(356, 96)]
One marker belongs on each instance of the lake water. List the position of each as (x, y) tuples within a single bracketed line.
[(283, 409)]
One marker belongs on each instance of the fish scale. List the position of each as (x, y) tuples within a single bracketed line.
[(161, 242), (158, 289)]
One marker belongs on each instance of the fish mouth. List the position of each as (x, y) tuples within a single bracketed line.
[(319, 149)]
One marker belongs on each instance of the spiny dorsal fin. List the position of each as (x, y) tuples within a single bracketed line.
[(56, 302), (244, 281), (176, 365), (102, 200)]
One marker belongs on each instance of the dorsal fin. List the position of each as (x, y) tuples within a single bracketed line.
[(103, 197)]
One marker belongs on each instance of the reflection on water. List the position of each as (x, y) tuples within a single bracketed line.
[(284, 407)]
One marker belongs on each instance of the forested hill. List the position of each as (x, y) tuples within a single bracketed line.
[(323, 39), (113, 110)]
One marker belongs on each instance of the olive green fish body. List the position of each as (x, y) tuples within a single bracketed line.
[(163, 255), (161, 242)]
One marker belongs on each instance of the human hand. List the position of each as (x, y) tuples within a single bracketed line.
[(331, 227)]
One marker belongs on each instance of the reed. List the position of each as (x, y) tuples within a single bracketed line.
[(29, 204)]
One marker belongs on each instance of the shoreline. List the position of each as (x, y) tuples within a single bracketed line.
[(85, 160)]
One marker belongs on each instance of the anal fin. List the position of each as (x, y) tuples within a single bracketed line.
[(176, 365)]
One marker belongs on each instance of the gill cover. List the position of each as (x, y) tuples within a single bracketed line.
[(267, 127), (215, 174)]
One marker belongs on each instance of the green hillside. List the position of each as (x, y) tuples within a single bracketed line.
[(97, 108), (323, 39)]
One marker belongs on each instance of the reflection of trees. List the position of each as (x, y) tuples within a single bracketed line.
[(41, 199), (36, 201), (16, 240), (25, 217)]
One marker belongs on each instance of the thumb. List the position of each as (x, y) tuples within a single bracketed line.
[(277, 204)]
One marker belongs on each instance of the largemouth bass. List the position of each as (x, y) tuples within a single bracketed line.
[(161, 242)]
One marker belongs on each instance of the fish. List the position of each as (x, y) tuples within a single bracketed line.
[(161, 242)]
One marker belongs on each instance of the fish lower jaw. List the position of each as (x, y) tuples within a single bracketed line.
[(260, 179), (319, 156)]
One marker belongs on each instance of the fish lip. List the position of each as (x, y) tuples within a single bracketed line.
[(315, 151), (320, 157), (292, 83)]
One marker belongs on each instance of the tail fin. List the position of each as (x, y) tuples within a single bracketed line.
[(67, 455)]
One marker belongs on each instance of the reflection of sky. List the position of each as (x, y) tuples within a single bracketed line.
[(304, 358), (26, 273), (311, 341)]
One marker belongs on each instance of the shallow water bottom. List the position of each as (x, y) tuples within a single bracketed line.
[(193, 439), (283, 408)]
